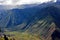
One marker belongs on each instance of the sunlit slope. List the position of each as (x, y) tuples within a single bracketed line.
[(23, 36), (20, 36)]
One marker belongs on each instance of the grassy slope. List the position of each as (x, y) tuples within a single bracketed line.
[(22, 36)]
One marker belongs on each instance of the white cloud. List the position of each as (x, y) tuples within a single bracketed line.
[(20, 2)]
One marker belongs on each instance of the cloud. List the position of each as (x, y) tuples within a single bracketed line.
[(20, 2)]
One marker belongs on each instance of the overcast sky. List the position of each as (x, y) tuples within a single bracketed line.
[(20, 2)]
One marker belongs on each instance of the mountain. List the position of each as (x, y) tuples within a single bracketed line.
[(25, 15), (55, 12), (22, 19), (39, 19)]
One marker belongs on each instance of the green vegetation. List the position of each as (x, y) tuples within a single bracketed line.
[(21, 36)]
